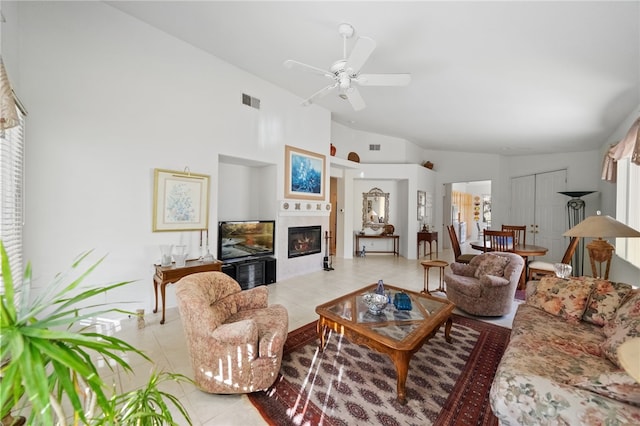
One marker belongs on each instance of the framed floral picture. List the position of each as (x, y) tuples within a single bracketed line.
[(304, 174), (180, 201)]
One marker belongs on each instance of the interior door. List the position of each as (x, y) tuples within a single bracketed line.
[(523, 191), (551, 214), (536, 203)]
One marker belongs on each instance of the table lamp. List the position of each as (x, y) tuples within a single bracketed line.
[(600, 250)]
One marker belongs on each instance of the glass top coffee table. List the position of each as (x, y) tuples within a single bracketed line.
[(399, 334)]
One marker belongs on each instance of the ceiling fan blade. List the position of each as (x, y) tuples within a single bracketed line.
[(359, 55), (320, 93), (383, 79), (354, 97), (291, 64)]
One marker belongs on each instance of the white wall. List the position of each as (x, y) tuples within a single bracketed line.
[(246, 192), (401, 181), (392, 150), (583, 172), (621, 270), (109, 100), (451, 167)]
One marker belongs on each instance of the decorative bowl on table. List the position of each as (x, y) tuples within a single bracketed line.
[(375, 302), (562, 270)]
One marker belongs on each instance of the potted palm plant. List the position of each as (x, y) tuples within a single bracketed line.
[(49, 357)]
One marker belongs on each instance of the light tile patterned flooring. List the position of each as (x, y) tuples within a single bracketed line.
[(166, 345)]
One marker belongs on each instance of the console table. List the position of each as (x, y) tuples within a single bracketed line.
[(424, 237), (170, 274), (394, 238)]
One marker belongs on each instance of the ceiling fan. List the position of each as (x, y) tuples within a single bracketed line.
[(345, 73)]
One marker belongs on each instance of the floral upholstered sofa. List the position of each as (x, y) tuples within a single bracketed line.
[(561, 366)]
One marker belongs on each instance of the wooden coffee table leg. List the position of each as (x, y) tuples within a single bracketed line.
[(321, 329), (401, 361), (447, 330)]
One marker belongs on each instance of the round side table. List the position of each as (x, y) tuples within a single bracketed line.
[(428, 264)]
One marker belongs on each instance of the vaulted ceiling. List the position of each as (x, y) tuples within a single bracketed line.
[(500, 77)]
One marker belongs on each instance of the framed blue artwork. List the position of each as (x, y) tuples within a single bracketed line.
[(304, 174), (180, 201)]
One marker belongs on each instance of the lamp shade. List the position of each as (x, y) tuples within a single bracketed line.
[(601, 227)]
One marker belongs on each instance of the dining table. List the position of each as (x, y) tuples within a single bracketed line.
[(524, 250)]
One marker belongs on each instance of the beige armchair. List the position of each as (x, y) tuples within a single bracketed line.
[(487, 285), (234, 338)]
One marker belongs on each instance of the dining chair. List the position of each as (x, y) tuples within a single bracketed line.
[(538, 267), (455, 245), (498, 240), (520, 233)]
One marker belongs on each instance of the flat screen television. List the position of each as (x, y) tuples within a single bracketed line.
[(238, 239)]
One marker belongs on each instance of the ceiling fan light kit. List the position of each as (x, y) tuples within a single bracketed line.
[(345, 72), (346, 30)]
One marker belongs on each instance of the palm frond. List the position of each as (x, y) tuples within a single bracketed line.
[(51, 353)]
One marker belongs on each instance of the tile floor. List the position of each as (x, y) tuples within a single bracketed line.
[(166, 345)]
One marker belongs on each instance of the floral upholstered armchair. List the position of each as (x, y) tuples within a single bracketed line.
[(487, 285), (234, 338)]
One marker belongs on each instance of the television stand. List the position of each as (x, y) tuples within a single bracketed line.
[(250, 272)]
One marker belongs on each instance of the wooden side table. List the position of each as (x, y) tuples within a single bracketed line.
[(170, 274), (424, 237), (428, 264), (394, 238)]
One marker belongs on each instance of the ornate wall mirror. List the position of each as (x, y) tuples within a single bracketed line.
[(375, 209)]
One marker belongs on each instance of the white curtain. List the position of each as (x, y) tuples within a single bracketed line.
[(8, 111), (628, 146)]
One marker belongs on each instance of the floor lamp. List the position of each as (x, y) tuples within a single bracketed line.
[(600, 251), (575, 212)]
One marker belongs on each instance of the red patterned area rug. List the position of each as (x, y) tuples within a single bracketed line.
[(347, 384)]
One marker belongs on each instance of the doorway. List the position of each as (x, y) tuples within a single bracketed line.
[(467, 206)]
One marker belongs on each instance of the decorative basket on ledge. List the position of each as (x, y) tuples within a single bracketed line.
[(389, 229)]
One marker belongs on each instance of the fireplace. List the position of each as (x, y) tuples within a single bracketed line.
[(304, 240)]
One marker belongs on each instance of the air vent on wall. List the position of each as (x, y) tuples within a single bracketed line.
[(250, 101), (374, 147)]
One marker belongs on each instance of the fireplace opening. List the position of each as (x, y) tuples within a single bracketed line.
[(304, 240)]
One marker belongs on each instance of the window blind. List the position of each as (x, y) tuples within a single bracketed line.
[(12, 197)]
